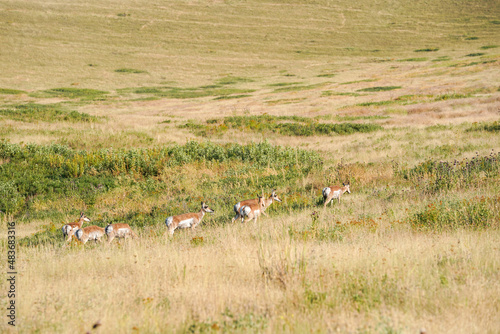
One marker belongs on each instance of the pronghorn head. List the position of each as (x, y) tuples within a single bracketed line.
[(82, 216), (346, 186), (275, 197), (205, 208)]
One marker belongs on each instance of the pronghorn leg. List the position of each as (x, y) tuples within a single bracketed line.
[(70, 234), (111, 236)]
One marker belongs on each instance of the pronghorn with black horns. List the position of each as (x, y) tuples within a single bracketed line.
[(330, 193), (267, 203), (252, 211), (90, 233), (187, 220), (70, 228), (119, 230)]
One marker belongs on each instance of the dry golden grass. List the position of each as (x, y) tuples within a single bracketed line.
[(376, 279)]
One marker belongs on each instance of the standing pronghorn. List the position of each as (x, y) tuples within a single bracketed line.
[(70, 228), (119, 231), (267, 203), (90, 233), (186, 220), (330, 193), (252, 211)]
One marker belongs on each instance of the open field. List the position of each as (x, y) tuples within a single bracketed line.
[(134, 111)]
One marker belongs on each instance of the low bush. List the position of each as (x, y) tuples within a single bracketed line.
[(475, 213)]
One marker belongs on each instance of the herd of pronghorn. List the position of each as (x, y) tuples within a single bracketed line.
[(245, 210)]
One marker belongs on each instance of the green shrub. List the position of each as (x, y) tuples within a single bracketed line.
[(284, 125), (436, 176), (11, 201), (476, 213), (30, 112)]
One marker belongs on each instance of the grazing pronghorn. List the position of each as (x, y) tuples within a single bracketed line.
[(119, 231), (90, 233), (252, 211), (186, 220), (70, 228), (267, 203), (330, 193)]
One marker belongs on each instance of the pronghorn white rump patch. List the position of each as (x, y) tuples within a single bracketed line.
[(108, 229), (79, 234), (186, 223), (169, 220), (326, 191)]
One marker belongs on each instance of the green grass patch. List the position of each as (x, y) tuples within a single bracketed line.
[(476, 54), (414, 59), (284, 125), (442, 58), (331, 93), (348, 118), (376, 103), (491, 127), (486, 47), (188, 93), (358, 81), (229, 97), (378, 89), (129, 70), (285, 101), (71, 93), (30, 112), (297, 88), (233, 80), (427, 50), (284, 84), (8, 91)]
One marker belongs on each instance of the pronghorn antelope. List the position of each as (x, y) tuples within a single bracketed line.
[(119, 231), (252, 211), (90, 233), (71, 228), (186, 220), (330, 193), (267, 203)]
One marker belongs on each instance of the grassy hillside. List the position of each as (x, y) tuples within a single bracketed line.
[(132, 111)]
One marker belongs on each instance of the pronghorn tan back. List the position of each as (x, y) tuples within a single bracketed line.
[(332, 192), (254, 201), (70, 228), (186, 220), (252, 211), (90, 233), (119, 230)]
